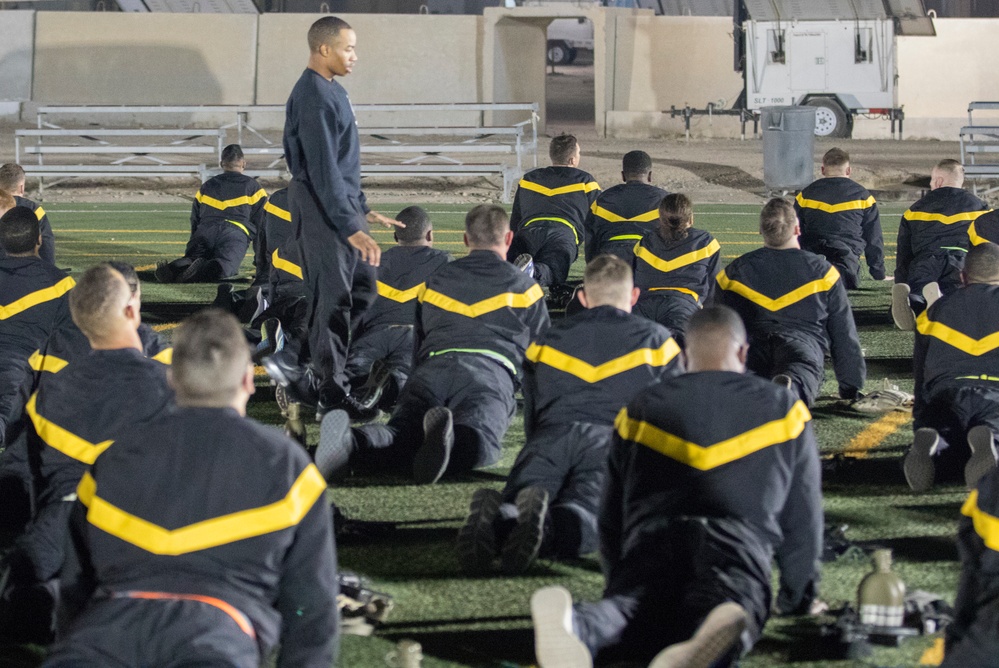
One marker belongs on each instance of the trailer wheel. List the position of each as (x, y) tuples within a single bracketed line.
[(831, 120), (559, 53)]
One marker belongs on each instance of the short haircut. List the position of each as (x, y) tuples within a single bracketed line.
[(19, 230), (417, 222), (562, 149), (7, 202), (777, 221), (835, 158), (952, 170), (98, 301), (714, 324), (486, 224), (231, 155), (127, 272), (210, 357), (982, 263), (676, 212), (606, 279), (11, 176), (325, 30), (636, 164)]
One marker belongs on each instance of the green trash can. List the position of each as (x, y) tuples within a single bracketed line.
[(788, 145)]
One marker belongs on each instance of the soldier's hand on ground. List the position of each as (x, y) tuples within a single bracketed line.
[(375, 217), (370, 251), (818, 607)]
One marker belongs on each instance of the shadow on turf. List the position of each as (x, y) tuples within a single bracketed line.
[(476, 648), (916, 549)]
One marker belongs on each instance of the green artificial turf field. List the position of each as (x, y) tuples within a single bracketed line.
[(475, 621)]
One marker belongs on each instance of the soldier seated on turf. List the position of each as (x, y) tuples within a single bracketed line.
[(932, 242), (694, 512), (227, 212), (12, 181), (624, 213), (795, 307), (78, 413), (475, 318), (957, 379), (972, 639), (380, 355), (577, 377), (839, 220), (675, 267), (161, 544), (33, 301), (549, 214)]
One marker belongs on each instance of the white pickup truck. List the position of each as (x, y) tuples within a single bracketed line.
[(566, 37)]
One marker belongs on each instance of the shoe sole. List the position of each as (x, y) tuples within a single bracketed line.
[(163, 275), (713, 639), (554, 645), (901, 311), (281, 399), (187, 276), (783, 380), (983, 455), (374, 386), (477, 536), (918, 465), (332, 453), (431, 460), (524, 543), (931, 293)]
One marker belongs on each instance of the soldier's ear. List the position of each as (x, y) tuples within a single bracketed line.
[(635, 292), (743, 353)]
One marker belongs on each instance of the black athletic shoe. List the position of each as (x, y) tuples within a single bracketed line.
[(559, 296), (359, 414), (224, 298), (164, 273), (336, 444), (432, 458), (983, 455), (918, 464), (369, 394), (191, 272), (270, 337), (477, 536), (524, 543), (299, 383), (714, 638)]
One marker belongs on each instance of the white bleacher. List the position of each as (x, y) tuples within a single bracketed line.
[(980, 147)]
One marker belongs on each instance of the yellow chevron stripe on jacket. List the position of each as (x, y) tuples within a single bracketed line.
[(504, 300), (986, 525), (561, 190), (686, 259), (927, 217), (63, 440), (39, 213), (852, 205), (284, 265), (974, 236), (612, 217), (222, 205), (952, 337), (275, 210), (686, 291), (37, 297), (586, 372), (823, 284), (397, 295), (206, 534), (164, 356), (554, 219), (707, 457), (47, 363)]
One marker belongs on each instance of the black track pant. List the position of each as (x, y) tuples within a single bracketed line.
[(222, 245), (952, 408), (570, 463), (801, 359), (976, 645), (553, 247), (662, 589), (670, 308), (841, 256), (125, 633), (339, 288), (392, 344), (479, 392), (942, 267)]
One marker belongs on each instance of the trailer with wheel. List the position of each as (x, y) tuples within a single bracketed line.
[(838, 56)]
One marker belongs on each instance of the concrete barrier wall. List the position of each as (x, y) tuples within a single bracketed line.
[(16, 54), (119, 58)]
